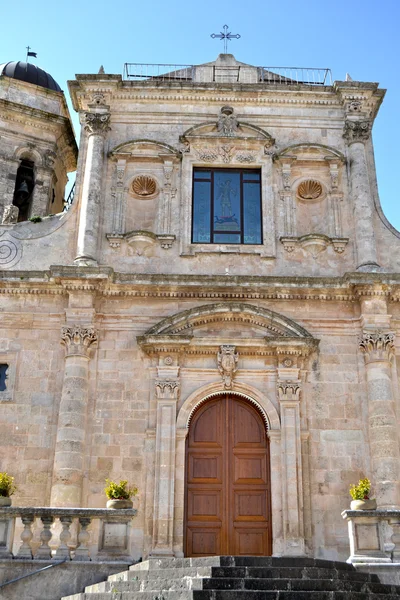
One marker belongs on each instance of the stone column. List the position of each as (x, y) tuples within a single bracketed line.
[(96, 124), (167, 393), (71, 429), (383, 436), (356, 134), (292, 483)]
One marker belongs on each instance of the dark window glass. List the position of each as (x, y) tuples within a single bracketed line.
[(226, 206), (3, 377)]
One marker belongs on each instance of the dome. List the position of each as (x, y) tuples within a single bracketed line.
[(29, 73)]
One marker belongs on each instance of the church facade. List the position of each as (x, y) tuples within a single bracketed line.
[(213, 319)]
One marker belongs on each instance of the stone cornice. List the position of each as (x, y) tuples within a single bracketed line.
[(106, 282)]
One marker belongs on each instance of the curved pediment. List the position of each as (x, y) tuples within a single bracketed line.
[(268, 322), (311, 152), (144, 148)]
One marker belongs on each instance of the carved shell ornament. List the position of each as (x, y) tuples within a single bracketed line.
[(144, 186), (309, 190)]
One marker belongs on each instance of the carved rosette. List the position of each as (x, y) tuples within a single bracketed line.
[(288, 391), (357, 131), (377, 346), (78, 340), (227, 359), (96, 123), (167, 389)]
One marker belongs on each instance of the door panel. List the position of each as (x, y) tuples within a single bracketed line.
[(227, 503)]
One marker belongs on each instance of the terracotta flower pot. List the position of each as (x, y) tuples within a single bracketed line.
[(5, 501), (119, 503), (363, 504)]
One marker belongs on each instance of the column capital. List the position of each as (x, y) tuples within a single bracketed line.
[(167, 389), (288, 391), (77, 339), (376, 345), (357, 131), (96, 123)]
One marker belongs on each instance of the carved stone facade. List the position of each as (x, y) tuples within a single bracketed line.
[(304, 326)]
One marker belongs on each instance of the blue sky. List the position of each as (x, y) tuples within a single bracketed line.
[(359, 38)]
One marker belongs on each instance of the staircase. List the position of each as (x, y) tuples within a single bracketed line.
[(240, 578)]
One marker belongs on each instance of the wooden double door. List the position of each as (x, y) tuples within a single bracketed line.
[(228, 500)]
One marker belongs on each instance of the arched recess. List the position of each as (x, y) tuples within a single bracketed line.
[(156, 160)]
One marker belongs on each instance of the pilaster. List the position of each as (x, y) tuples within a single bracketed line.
[(167, 388), (357, 133)]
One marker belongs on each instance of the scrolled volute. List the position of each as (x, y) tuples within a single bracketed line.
[(357, 131), (96, 123)]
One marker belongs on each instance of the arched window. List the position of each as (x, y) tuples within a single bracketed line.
[(24, 184)]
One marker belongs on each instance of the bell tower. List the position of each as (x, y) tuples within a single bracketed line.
[(39, 150)]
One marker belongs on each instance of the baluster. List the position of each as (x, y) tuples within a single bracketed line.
[(44, 550), (25, 550), (63, 550), (395, 523), (82, 551)]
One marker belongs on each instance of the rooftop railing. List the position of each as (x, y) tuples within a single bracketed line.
[(227, 74)]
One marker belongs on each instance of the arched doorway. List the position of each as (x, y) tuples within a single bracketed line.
[(227, 480)]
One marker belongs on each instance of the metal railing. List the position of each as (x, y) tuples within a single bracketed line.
[(68, 202), (46, 568), (227, 74)]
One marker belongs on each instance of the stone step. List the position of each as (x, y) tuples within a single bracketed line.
[(239, 561), (116, 594), (188, 583)]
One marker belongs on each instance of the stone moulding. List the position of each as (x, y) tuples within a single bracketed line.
[(314, 243), (142, 242)]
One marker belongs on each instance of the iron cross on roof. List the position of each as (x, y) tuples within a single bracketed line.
[(225, 35)]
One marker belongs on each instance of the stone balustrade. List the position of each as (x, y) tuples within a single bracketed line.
[(374, 536), (78, 534)]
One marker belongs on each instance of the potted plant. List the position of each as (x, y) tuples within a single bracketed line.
[(360, 494), (7, 488), (119, 494)]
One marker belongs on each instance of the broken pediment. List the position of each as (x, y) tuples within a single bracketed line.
[(227, 125)]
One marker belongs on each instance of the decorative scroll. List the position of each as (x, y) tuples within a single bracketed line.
[(377, 345), (77, 340), (227, 359), (96, 123)]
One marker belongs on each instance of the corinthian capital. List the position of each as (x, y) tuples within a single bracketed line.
[(77, 340), (377, 345), (288, 391), (96, 123), (357, 131)]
